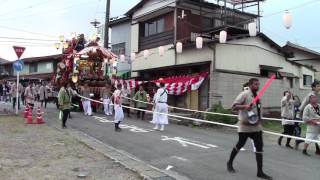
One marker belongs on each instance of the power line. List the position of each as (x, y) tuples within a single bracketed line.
[(21, 30), (20, 42), (292, 8), (47, 12), (21, 9), (31, 39)]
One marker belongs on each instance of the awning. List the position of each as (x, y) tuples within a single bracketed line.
[(176, 85), (285, 74), (270, 68)]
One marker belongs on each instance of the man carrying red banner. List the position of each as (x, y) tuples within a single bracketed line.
[(250, 125)]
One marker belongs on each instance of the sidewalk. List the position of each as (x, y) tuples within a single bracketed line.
[(41, 152)]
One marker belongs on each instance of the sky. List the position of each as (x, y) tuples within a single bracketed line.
[(47, 19)]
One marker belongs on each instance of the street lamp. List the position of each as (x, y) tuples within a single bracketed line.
[(61, 38), (57, 45)]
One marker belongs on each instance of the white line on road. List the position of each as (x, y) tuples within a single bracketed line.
[(132, 128), (185, 142), (169, 167), (179, 158)]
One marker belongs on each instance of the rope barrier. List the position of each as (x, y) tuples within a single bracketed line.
[(208, 122), (215, 113)]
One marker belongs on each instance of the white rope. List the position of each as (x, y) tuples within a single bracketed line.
[(209, 122), (215, 113)]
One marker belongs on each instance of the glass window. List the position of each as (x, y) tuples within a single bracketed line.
[(33, 68), (207, 22), (146, 31), (160, 25), (307, 80), (154, 27), (119, 48)]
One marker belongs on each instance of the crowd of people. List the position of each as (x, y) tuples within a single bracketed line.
[(115, 102), (292, 111), (29, 93)]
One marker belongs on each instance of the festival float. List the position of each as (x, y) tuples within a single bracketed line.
[(84, 63)]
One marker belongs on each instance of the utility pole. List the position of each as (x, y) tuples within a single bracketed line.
[(106, 25)]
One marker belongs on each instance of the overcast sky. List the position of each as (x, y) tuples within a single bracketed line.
[(47, 19)]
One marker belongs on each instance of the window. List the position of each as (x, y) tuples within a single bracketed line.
[(33, 68), (307, 80), (217, 23), (290, 82), (207, 22), (154, 27), (119, 48)]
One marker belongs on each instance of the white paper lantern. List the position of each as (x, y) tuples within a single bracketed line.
[(161, 51), (287, 20), (122, 58), (179, 47), (252, 29), (133, 56), (223, 37), (146, 54), (199, 42)]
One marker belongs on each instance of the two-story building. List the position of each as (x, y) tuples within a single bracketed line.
[(42, 68), (303, 55), (121, 44), (153, 24), (3, 73)]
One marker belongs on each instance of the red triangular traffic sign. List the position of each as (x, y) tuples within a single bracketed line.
[(19, 50)]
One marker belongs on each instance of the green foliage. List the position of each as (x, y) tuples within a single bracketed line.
[(220, 118)]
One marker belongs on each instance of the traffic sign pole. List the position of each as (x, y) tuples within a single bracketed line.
[(19, 51), (17, 97)]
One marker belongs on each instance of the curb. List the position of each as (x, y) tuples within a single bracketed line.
[(144, 170)]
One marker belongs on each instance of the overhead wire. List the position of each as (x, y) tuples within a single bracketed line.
[(21, 9)]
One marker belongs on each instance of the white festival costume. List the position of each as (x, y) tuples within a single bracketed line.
[(107, 106), (118, 111), (161, 98)]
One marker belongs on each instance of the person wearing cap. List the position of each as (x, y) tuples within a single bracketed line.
[(86, 103), (315, 92), (311, 116), (250, 126), (287, 113), (161, 106), (118, 111)]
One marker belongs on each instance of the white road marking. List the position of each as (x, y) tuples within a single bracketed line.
[(169, 167), (186, 142), (179, 158), (131, 128)]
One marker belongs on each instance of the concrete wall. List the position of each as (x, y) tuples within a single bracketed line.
[(249, 58), (154, 60), (121, 33), (224, 88), (194, 55)]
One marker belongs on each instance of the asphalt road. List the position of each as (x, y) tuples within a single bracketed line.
[(197, 153)]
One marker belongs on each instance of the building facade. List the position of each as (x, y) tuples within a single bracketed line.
[(42, 68), (155, 24)]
